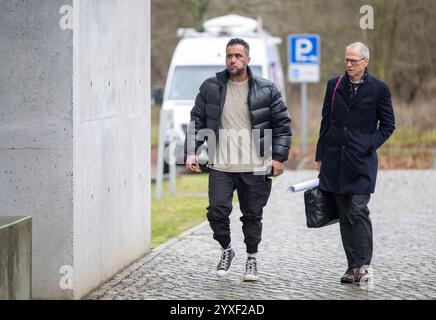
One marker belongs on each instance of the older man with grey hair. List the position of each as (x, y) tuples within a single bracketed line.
[(357, 118)]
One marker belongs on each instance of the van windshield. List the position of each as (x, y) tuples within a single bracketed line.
[(187, 80)]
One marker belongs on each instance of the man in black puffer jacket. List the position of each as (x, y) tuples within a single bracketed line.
[(249, 119)]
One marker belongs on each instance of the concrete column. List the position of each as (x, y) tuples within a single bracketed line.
[(15, 258), (74, 136)]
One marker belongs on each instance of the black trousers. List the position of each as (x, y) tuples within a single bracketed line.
[(356, 228), (253, 193)]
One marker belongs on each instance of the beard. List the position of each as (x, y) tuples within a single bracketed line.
[(236, 71)]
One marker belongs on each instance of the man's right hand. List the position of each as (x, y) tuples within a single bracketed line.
[(192, 163), (318, 165)]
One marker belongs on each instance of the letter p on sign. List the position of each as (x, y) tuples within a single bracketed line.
[(302, 48)]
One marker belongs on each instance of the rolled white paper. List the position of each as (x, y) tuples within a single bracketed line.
[(304, 185)]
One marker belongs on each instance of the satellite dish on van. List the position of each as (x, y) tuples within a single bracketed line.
[(231, 24)]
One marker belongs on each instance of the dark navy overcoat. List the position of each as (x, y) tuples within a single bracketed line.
[(350, 134)]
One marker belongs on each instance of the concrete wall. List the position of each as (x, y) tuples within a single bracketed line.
[(74, 136), (112, 148), (36, 129), (15, 258)]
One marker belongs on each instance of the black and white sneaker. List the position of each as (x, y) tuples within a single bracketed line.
[(251, 270), (225, 262)]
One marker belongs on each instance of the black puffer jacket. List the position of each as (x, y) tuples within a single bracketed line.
[(267, 110)]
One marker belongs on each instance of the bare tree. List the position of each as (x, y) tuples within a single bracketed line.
[(198, 9), (402, 42)]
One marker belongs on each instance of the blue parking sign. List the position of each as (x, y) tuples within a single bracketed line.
[(303, 57), (304, 48)]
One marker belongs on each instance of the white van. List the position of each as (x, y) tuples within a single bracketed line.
[(199, 56)]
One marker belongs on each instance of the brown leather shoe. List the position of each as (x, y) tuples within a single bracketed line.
[(349, 276)]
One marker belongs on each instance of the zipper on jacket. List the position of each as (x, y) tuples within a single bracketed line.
[(223, 101), (250, 91)]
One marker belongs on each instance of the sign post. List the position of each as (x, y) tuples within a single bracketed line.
[(166, 122), (303, 67)]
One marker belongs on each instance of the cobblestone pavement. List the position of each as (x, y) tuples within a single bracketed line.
[(296, 262)]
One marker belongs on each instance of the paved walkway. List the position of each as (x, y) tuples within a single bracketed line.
[(296, 262)]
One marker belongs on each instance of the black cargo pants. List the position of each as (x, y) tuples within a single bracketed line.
[(253, 193), (356, 228)]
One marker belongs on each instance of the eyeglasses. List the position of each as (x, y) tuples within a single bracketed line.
[(353, 62)]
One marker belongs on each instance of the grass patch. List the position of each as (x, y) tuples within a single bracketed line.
[(312, 138), (406, 137), (174, 214), (401, 137)]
